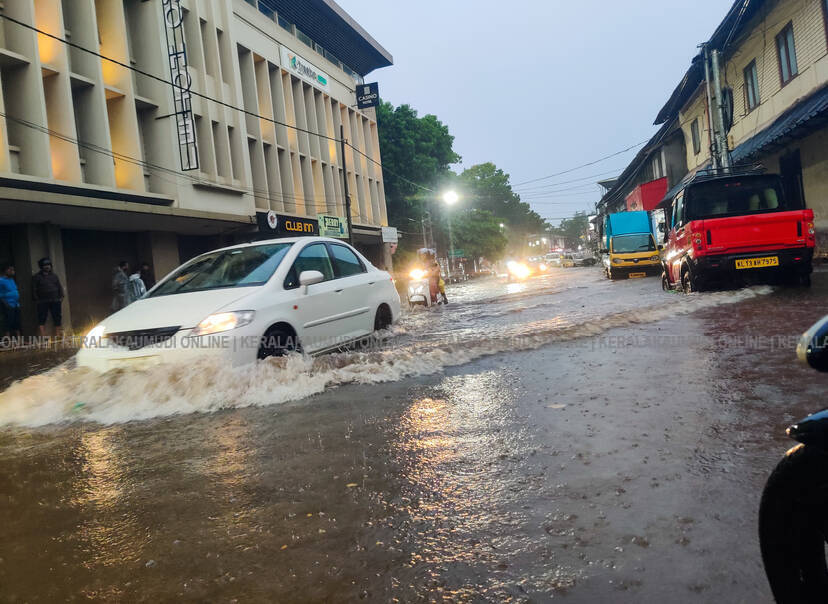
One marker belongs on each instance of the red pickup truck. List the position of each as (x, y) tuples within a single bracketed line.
[(735, 228)]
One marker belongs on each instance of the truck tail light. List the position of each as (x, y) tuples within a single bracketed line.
[(810, 226), (697, 238)]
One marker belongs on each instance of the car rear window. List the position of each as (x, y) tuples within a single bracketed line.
[(734, 197)]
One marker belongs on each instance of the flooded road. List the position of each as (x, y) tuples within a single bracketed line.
[(568, 438)]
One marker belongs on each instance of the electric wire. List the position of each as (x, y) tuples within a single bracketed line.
[(592, 163), (204, 96), (281, 198)]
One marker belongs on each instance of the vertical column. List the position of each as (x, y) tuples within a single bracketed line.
[(120, 100)]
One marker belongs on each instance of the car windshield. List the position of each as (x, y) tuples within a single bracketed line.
[(239, 267), (734, 197), (627, 244)]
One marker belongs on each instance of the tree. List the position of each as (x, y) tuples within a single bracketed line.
[(414, 150), (478, 233), (573, 230), (487, 188)]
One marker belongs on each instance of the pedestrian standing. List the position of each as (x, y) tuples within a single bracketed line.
[(120, 286), (136, 289), (147, 275), (48, 297), (10, 301)]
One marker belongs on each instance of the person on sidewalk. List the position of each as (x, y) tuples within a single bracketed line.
[(48, 297), (120, 286), (147, 275), (10, 301), (136, 287)]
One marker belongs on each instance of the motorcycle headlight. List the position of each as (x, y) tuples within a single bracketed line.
[(94, 339), (223, 321)]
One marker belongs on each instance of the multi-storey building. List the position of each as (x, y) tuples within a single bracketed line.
[(774, 62), (97, 166)]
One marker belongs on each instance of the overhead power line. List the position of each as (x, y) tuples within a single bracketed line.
[(204, 96), (591, 163)]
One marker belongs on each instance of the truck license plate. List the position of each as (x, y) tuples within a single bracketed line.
[(757, 262), (637, 275)]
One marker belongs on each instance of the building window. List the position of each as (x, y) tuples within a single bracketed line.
[(304, 38), (694, 133), (751, 86), (285, 24), (786, 52)]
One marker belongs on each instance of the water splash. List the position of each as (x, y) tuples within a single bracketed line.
[(69, 394)]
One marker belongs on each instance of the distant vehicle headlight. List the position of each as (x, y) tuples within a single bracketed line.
[(519, 269), (654, 258), (617, 260), (223, 321), (543, 267), (94, 339), (417, 274)]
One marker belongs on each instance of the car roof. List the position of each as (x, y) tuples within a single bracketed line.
[(315, 238)]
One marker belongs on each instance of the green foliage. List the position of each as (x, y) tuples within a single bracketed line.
[(573, 230), (419, 150), (478, 233), (415, 149)]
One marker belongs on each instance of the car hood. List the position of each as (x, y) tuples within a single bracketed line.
[(182, 310)]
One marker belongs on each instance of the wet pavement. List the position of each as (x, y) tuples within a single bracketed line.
[(566, 439)]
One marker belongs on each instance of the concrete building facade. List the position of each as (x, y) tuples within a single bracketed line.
[(94, 157), (774, 62)]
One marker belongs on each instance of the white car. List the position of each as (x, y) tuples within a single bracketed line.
[(249, 301)]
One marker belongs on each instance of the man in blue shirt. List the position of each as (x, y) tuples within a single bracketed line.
[(10, 300)]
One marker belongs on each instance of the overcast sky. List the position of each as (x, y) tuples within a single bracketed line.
[(539, 86)]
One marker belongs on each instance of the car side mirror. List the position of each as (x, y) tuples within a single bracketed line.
[(813, 345), (604, 250), (307, 278), (662, 227), (660, 247)]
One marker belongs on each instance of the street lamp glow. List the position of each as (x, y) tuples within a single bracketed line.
[(450, 197), (502, 226)]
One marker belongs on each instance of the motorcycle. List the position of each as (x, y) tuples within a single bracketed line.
[(419, 288), (793, 524)]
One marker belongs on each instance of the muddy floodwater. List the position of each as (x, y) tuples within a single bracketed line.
[(564, 439)]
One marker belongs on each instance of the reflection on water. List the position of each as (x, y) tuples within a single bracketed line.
[(110, 529), (458, 454)]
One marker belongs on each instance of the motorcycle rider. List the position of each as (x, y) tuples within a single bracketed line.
[(439, 286)]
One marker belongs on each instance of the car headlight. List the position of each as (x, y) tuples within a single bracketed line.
[(616, 260), (223, 321), (654, 258), (94, 339)]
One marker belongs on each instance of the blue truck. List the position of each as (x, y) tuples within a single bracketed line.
[(630, 248)]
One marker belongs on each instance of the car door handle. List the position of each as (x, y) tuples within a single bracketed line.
[(338, 291), (371, 282)]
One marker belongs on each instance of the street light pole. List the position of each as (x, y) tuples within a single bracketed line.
[(450, 198)]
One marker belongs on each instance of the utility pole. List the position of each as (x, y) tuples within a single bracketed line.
[(714, 152), (720, 154), (721, 144), (345, 185)]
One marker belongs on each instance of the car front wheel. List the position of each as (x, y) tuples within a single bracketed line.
[(277, 342)]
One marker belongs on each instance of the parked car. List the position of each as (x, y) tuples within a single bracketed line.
[(735, 228), (553, 258), (567, 260), (249, 301), (583, 259)]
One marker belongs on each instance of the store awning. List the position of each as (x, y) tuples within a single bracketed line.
[(803, 118)]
